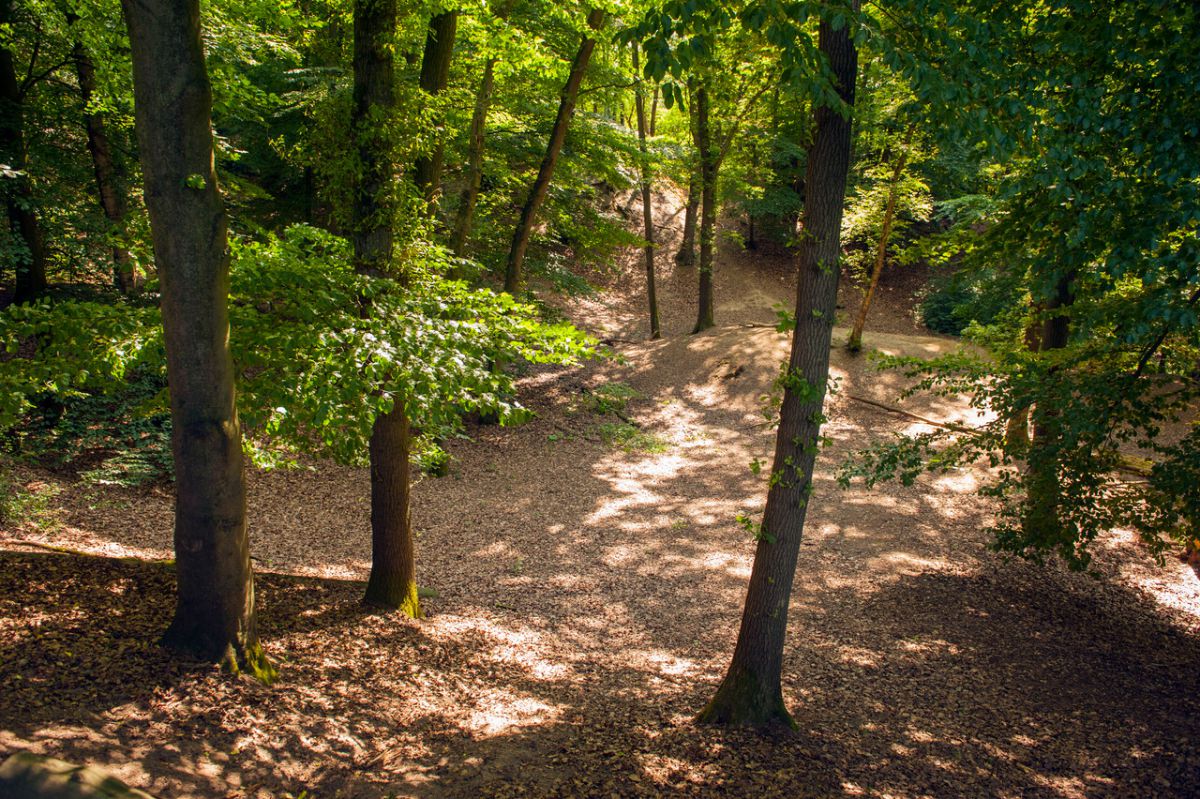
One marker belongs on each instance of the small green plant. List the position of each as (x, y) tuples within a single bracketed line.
[(629, 438)]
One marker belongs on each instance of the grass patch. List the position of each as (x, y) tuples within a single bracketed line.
[(629, 438)]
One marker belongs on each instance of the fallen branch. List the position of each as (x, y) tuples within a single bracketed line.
[(958, 428)]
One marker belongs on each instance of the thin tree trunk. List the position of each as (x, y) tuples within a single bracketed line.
[(654, 112), (470, 192), (751, 692), (889, 214), (708, 210), (22, 218), (647, 210), (513, 276), (435, 75), (686, 256), (109, 178), (393, 581), (214, 613), (476, 146)]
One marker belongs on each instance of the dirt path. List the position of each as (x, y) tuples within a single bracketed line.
[(587, 600)]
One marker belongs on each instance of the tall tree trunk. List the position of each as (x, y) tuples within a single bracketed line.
[(435, 74), (751, 692), (393, 581), (18, 199), (470, 192), (647, 210), (214, 613), (708, 210), (889, 214), (1040, 518), (513, 276), (109, 178)]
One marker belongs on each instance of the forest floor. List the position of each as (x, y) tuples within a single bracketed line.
[(589, 575)]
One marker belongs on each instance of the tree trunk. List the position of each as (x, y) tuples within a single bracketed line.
[(1016, 432), (654, 112), (392, 583), (109, 178), (214, 614), (470, 192), (1040, 518), (708, 210), (751, 692), (647, 210), (513, 277), (435, 74), (18, 200), (889, 214), (686, 256)]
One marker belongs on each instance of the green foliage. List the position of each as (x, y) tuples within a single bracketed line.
[(319, 350)]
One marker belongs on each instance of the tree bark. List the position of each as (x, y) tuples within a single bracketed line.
[(18, 200), (855, 342), (435, 75), (513, 276), (647, 210), (751, 692), (708, 209), (108, 173), (214, 613), (393, 582)]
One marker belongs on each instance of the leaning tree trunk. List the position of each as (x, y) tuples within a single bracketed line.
[(18, 200), (513, 277), (109, 181), (393, 580), (751, 693), (647, 211), (435, 75), (708, 210), (214, 613), (854, 344)]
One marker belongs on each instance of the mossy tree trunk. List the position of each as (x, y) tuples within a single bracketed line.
[(513, 273), (751, 692), (214, 614), (1040, 520), (393, 582)]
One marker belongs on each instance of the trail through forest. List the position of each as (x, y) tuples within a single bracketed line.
[(586, 573)]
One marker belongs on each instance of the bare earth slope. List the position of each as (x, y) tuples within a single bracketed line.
[(587, 601)]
